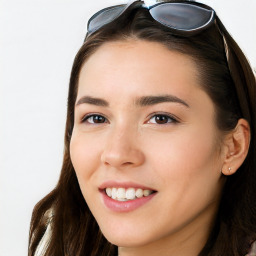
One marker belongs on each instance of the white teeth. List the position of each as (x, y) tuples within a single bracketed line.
[(139, 193), (121, 199), (122, 194), (113, 193), (130, 193), (146, 192), (109, 192)]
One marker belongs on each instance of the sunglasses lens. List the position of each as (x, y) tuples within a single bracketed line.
[(180, 16), (104, 17)]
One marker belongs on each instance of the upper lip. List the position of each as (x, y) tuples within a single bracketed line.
[(127, 184)]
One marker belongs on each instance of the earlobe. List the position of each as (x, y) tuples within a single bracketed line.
[(237, 145)]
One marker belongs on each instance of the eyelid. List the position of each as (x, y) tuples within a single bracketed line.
[(174, 118), (88, 115)]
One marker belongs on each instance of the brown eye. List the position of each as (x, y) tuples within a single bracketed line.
[(95, 119), (162, 119)]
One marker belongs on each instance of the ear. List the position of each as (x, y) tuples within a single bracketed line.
[(236, 144)]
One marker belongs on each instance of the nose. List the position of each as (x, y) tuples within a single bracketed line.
[(122, 150)]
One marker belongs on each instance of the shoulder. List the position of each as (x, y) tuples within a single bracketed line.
[(41, 249)]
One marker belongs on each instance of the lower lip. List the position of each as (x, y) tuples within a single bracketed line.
[(125, 206)]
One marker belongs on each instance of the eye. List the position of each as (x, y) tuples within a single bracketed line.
[(94, 119), (162, 119)]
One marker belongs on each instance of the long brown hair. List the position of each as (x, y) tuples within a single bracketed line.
[(229, 81)]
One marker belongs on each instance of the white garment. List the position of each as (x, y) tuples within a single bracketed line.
[(41, 249)]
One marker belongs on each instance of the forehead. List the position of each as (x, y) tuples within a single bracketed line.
[(137, 64)]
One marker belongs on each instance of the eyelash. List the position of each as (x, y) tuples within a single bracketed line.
[(86, 117), (169, 117)]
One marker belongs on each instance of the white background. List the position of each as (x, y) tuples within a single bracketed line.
[(38, 41)]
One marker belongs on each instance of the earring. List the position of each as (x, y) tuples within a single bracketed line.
[(229, 169)]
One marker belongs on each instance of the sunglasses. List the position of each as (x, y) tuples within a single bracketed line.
[(184, 18)]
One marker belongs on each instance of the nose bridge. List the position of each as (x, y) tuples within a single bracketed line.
[(124, 132), (122, 148)]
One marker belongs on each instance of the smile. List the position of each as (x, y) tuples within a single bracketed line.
[(124, 197), (122, 194)]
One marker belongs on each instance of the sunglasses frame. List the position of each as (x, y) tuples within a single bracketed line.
[(140, 4)]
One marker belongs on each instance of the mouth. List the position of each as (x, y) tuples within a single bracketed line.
[(124, 195)]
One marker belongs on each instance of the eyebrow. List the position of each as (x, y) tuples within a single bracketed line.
[(141, 101), (92, 101), (152, 100)]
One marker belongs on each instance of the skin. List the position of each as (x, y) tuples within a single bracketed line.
[(182, 160)]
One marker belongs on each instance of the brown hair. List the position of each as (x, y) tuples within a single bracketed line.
[(227, 78)]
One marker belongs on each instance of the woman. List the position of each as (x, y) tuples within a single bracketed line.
[(160, 140)]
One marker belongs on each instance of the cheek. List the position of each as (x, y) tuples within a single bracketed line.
[(85, 157), (185, 151), (186, 165), (187, 170)]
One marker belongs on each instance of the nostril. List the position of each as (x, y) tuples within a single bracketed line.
[(127, 163)]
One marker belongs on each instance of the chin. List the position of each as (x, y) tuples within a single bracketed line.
[(125, 238), (125, 241)]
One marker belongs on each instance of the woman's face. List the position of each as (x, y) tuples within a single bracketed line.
[(143, 126)]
